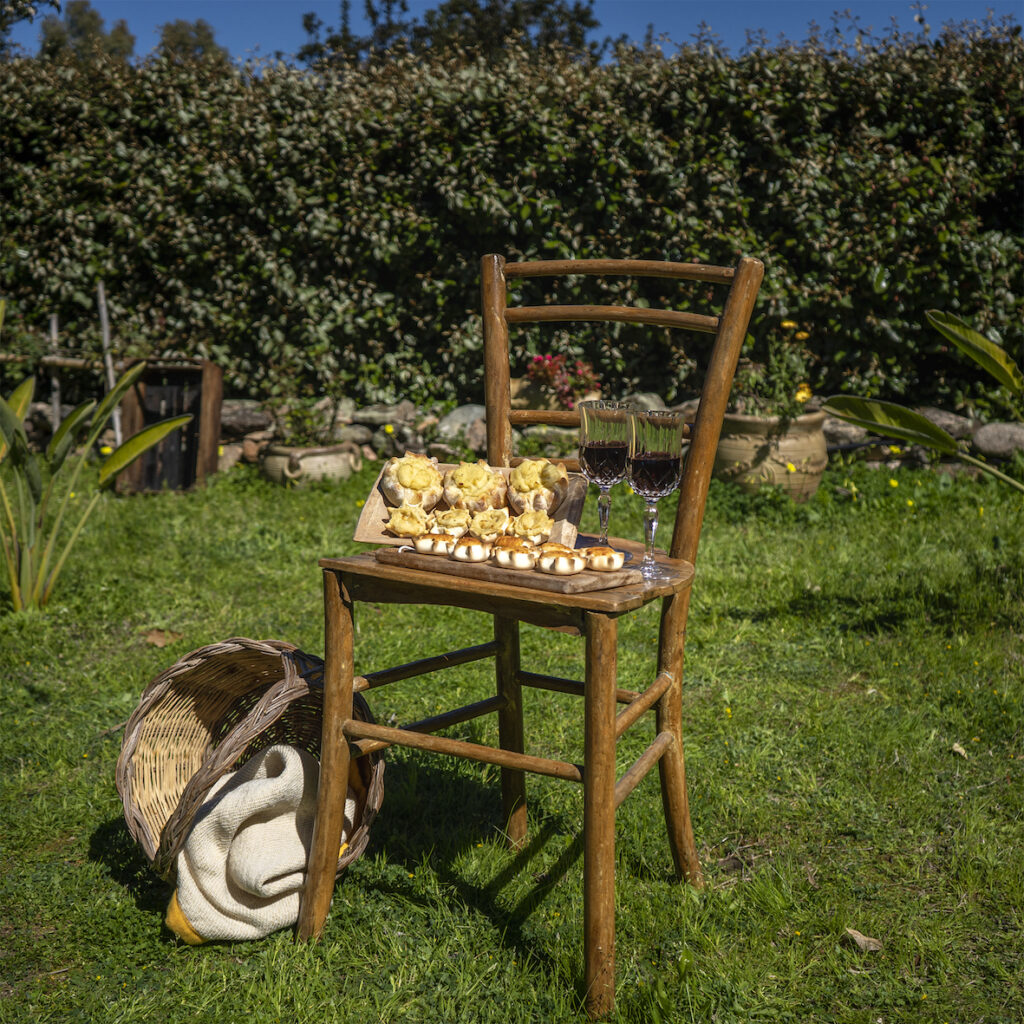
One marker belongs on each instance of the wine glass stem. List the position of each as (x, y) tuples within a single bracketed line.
[(604, 504), (650, 528)]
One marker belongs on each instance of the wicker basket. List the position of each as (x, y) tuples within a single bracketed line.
[(208, 713)]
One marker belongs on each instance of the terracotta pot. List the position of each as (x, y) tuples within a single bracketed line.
[(286, 464), (756, 451)]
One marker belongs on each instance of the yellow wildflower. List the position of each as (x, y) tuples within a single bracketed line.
[(790, 468), (893, 482), (803, 393), (105, 449), (388, 429), (788, 325), (801, 335)]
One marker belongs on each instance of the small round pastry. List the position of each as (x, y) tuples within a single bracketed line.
[(519, 554), (451, 520), (489, 524), (474, 486), (471, 549), (407, 521), (412, 480), (535, 525), (566, 562), (537, 484), (602, 559), (434, 543)]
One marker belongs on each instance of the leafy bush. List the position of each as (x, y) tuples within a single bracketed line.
[(320, 233)]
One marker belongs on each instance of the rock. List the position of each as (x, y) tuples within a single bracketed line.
[(958, 427), (840, 434), (458, 421), (476, 436), (254, 443), (380, 415), (687, 408), (999, 440), (645, 400), (357, 433), (228, 455), (443, 452), (241, 416)]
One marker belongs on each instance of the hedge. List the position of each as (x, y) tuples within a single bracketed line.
[(321, 233)]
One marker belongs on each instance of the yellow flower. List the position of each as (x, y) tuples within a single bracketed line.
[(788, 325), (910, 502), (360, 503), (105, 449), (801, 335), (803, 393), (388, 429), (893, 482), (790, 468)]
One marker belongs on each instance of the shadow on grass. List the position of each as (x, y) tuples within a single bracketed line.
[(112, 846)]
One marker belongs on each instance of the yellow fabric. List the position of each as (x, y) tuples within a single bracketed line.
[(179, 923)]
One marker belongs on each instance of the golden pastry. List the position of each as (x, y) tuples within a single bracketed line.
[(519, 554), (603, 559), (561, 563), (434, 543), (474, 486), (489, 524), (535, 525), (537, 484), (412, 480), (407, 521), (471, 549), (451, 520)]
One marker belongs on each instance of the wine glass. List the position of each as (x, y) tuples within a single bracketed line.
[(654, 468), (604, 445)]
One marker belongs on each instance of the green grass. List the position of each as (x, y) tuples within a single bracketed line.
[(837, 652)]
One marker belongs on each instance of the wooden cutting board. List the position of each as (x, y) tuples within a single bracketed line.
[(536, 580)]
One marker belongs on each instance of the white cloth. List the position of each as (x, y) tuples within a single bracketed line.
[(243, 866)]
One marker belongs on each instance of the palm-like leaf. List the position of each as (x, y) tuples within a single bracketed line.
[(128, 452), (988, 355), (891, 420)]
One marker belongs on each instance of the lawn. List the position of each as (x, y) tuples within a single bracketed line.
[(853, 713)]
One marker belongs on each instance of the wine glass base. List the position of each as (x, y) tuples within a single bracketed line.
[(654, 573)]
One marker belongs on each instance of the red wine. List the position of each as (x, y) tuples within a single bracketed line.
[(603, 462), (654, 474)]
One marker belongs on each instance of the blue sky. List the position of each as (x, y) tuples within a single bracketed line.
[(261, 27)]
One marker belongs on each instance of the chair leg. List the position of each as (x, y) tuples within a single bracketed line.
[(672, 767), (334, 760), (510, 728), (599, 815)]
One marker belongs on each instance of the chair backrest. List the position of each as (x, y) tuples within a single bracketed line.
[(727, 322)]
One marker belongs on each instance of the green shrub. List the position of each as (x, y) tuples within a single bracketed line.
[(321, 234)]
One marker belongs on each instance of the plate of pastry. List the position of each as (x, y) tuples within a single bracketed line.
[(415, 496)]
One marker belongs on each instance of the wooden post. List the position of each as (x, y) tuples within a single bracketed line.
[(108, 359), (54, 378)]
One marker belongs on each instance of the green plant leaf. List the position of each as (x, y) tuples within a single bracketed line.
[(128, 452), (18, 403), (61, 442), (891, 420), (988, 355), (111, 399)]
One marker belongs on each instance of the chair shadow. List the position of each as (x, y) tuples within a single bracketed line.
[(112, 846)]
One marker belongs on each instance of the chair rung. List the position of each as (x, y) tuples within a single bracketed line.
[(620, 314), (573, 686), (460, 748), (438, 722), (644, 702), (425, 665), (642, 765)]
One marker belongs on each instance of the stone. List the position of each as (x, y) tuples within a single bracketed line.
[(380, 415), (241, 416), (476, 436), (458, 421), (228, 455), (999, 440), (646, 400), (357, 433), (840, 434), (956, 426)]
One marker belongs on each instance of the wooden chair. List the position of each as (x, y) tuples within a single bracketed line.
[(594, 615)]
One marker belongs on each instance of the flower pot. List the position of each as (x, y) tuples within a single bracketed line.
[(759, 451), (286, 464)]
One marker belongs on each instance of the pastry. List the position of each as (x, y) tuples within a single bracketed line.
[(451, 520), (407, 521), (535, 525), (515, 553), (603, 559), (434, 543), (489, 524), (412, 480), (471, 549), (537, 484), (560, 560), (474, 486)]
